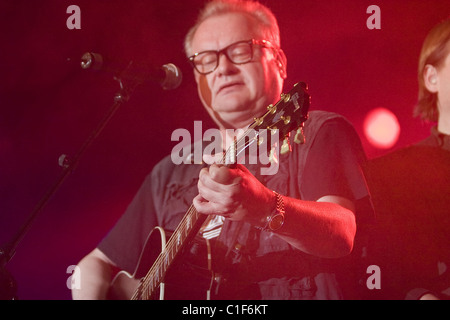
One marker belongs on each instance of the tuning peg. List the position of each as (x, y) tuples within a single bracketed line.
[(272, 155), (272, 108), (300, 136), (260, 140), (286, 119), (286, 146), (258, 121), (285, 97)]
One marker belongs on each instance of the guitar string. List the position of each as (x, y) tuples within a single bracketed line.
[(146, 285), (146, 280)]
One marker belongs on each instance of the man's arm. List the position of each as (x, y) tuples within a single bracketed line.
[(95, 271), (324, 228)]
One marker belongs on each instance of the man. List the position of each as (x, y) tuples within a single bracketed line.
[(410, 189), (316, 195)]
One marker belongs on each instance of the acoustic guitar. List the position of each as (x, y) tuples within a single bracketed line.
[(148, 280)]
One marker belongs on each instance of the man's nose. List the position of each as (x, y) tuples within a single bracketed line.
[(225, 65)]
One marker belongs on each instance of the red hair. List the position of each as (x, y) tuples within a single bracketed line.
[(435, 49)]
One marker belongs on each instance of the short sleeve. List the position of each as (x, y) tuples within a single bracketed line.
[(162, 200), (124, 242), (334, 165)]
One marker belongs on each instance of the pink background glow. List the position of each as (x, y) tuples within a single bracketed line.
[(49, 105)]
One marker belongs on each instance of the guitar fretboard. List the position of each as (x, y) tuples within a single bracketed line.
[(287, 114), (183, 234)]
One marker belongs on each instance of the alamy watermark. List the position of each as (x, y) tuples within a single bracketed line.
[(244, 147), (73, 281), (373, 280), (74, 20), (374, 20)]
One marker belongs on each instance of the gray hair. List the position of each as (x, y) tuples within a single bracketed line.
[(256, 10)]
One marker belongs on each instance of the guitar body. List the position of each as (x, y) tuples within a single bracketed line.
[(188, 278)]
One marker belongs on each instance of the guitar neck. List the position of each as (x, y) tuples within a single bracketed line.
[(183, 234), (287, 114)]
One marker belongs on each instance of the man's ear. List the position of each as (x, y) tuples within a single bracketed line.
[(430, 78), (282, 63)]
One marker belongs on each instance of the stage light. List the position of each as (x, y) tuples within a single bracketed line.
[(381, 128)]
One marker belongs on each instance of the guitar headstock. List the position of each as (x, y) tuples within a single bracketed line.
[(288, 114)]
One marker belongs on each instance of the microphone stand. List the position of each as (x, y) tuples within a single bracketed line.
[(8, 285)]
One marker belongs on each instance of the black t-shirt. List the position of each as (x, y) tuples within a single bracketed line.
[(329, 163), (410, 189)]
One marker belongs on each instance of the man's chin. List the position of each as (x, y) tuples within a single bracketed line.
[(231, 104), (233, 120)]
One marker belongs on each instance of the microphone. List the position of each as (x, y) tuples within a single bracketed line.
[(169, 76)]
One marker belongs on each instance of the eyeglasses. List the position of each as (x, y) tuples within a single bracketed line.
[(238, 53)]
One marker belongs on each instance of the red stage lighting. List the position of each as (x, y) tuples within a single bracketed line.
[(381, 128)]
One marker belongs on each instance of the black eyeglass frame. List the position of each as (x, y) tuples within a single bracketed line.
[(251, 42)]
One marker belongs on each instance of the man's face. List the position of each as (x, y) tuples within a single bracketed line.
[(235, 94)]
